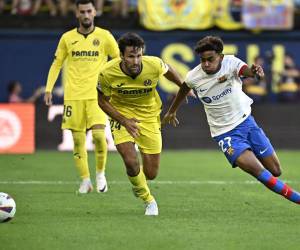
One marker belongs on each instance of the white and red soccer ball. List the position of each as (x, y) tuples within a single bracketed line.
[(7, 207)]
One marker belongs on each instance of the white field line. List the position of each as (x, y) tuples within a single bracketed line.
[(195, 182)]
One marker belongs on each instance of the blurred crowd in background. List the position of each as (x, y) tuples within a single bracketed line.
[(64, 7), (281, 86)]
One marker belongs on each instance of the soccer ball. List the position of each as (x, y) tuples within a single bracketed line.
[(7, 207)]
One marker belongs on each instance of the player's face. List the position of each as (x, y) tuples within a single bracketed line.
[(211, 61), (132, 60), (86, 14)]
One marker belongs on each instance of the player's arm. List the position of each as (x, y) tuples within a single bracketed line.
[(60, 55), (173, 76), (170, 116), (254, 71), (112, 46)]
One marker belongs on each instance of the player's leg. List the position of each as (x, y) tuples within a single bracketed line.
[(150, 165), (150, 145), (134, 172), (74, 119), (263, 149), (248, 162), (99, 141), (272, 163), (96, 120)]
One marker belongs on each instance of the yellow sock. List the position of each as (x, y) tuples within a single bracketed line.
[(99, 140), (140, 187), (80, 154)]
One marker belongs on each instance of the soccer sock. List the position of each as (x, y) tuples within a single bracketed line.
[(99, 140), (140, 187), (278, 186), (80, 154)]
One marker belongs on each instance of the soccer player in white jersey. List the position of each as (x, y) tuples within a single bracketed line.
[(216, 80)]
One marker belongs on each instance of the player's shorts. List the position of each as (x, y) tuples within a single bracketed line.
[(81, 115), (149, 140), (247, 135)]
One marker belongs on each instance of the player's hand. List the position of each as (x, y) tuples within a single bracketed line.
[(132, 127), (48, 98), (190, 94), (258, 71), (170, 118)]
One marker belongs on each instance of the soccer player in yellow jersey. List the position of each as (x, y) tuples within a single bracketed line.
[(83, 51), (127, 93)]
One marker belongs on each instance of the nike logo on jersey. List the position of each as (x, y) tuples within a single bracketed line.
[(74, 42), (202, 90), (263, 151), (120, 85)]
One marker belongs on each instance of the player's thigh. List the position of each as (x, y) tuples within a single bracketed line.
[(248, 162), (94, 114), (149, 140), (74, 115), (233, 144), (119, 133), (260, 143)]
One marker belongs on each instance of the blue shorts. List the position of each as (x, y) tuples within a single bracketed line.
[(247, 135)]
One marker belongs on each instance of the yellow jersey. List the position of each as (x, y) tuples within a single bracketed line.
[(134, 97), (82, 56)]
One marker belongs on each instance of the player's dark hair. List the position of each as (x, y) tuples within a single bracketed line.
[(209, 43), (130, 39), (84, 2), (11, 86)]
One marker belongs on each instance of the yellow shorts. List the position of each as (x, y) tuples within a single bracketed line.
[(82, 115), (149, 141)]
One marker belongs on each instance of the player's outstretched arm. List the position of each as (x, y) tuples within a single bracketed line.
[(130, 124), (170, 116), (173, 76)]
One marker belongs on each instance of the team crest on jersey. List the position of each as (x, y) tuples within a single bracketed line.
[(230, 151), (147, 82), (222, 79), (96, 42)]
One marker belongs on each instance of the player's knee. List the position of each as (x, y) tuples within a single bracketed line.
[(276, 171), (150, 174)]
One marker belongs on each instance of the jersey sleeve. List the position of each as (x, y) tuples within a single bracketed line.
[(103, 85), (59, 58), (112, 47), (188, 81), (236, 65), (162, 66)]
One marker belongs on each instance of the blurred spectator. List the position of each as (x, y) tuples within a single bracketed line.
[(2, 5), (31, 7), (119, 7), (14, 89), (289, 81), (65, 7), (255, 88)]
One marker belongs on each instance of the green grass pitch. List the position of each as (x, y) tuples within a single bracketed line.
[(204, 204)]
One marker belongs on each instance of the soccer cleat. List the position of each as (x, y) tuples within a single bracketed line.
[(151, 208), (101, 183), (85, 187)]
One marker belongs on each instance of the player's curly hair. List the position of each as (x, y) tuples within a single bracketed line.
[(209, 43), (85, 2), (130, 39)]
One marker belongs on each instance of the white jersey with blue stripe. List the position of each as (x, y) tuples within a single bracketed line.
[(225, 104)]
